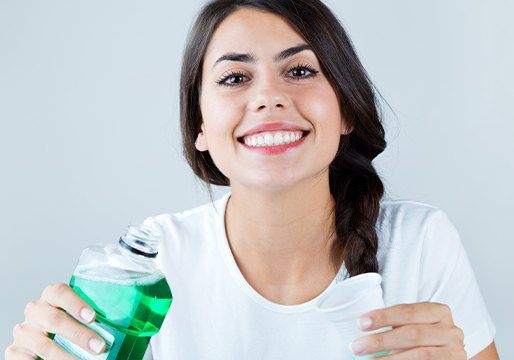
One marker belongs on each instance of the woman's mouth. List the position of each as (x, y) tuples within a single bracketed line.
[(273, 142)]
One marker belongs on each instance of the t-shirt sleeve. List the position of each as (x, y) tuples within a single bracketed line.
[(446, 276)]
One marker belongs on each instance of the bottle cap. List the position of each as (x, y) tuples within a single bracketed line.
[(142, 239)]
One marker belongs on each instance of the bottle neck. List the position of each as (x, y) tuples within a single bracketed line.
[(141, 259)]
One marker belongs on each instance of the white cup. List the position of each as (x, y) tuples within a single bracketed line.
[(347, 300)]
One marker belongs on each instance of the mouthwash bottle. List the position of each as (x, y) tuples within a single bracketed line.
[(130, 295)]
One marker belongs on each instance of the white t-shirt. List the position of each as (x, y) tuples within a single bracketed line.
[(216, 314)]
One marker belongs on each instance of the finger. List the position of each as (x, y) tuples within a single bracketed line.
[(428, 353), (37, 343), (406, 337), (404, 314), (56, 321), (62, 296), (14, 352)]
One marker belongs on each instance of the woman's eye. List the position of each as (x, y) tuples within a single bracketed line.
[(299, 72), (236, 76)]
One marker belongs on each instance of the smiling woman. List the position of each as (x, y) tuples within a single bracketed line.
[(275, 104)]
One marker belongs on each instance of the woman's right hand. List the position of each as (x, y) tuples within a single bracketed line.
[(45, 316)]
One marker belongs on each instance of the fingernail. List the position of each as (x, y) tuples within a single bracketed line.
[(96, 345), (87, 314), (364, 323), (357, 347)]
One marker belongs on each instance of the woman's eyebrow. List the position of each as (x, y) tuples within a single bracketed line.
[(249, 58)]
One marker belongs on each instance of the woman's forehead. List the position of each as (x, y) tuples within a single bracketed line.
[(252, 31)]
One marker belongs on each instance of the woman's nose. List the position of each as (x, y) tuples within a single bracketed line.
[(270, 94), (274, 103)]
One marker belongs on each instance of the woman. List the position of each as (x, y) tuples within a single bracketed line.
[(276, 105)]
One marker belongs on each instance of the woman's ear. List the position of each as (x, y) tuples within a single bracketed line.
[(201, 141)]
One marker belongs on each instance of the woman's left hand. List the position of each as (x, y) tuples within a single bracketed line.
[(422, 330)]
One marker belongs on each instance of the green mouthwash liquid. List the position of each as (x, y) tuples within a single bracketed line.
[(130, 313)]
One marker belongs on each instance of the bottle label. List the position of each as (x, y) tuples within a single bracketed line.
[(83, 354)]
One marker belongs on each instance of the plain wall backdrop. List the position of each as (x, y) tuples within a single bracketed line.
[(89, 129)]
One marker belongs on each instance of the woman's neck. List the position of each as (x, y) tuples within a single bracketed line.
[(281, 240)]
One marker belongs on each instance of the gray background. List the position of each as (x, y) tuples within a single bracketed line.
[(89, 135)]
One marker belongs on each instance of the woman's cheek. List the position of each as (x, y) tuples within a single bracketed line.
[(224, 146)]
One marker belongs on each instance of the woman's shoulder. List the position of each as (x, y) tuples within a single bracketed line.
[(408, 212), (195, 216), (192, 229), (409, 222)]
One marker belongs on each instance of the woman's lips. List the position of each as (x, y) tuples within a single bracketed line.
[(275, 149)]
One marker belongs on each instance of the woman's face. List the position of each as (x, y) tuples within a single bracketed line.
[(265, 91)]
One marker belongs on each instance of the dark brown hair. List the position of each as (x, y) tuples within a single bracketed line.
[(355, 185)]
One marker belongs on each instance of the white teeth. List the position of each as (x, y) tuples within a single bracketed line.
[(273, 138)]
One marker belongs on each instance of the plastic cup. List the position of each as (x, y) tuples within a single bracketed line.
[(347, 300)]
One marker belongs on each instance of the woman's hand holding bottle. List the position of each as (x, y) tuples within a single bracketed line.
[(46, 316)]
